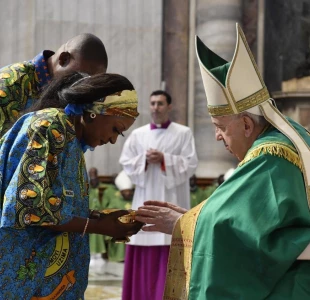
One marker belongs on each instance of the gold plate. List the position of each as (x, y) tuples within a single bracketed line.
[(130, 218)]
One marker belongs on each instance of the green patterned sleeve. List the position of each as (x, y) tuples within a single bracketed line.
[(18, 84)]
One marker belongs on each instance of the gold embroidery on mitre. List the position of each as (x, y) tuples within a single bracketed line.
[(220, 110), (253, 100), (242, 105), (278, 149), (180, 256)]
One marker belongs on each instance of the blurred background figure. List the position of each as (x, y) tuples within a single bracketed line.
[(229, 173), (96, 241), (197, 193), (209, 190), (220, 179), (159, 157), (117, 196)]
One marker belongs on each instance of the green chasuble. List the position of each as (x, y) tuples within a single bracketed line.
[(250, 232), (112, 198)]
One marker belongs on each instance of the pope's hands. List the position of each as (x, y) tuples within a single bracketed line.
[(166, 204), (161, 215)]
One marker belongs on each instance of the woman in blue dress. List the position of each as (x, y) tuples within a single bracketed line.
[(44, 215)]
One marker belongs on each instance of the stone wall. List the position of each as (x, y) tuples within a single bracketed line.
[(287, 36), (130, 30)]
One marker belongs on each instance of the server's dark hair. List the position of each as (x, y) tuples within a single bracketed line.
[(160, 92), (71, 88)]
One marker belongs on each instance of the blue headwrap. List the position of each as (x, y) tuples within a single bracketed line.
[(123, 104), (74, 109)]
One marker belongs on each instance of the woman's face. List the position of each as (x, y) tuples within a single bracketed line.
[(104, 129)]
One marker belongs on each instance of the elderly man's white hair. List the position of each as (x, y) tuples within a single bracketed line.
[(257, 119)]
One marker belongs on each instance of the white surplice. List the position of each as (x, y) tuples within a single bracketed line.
[(172, 185)]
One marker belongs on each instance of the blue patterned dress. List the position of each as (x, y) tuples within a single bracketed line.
[(43, 181)]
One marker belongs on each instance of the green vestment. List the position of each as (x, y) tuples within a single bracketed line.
[(254, 226), (112, 198)]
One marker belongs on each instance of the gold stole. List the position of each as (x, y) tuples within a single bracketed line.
[(180, 255)]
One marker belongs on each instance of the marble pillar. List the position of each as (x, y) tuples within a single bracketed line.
[(175, 56), (216, 26)]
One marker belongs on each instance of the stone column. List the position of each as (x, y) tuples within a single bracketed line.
[(175, 56), (216, 26)]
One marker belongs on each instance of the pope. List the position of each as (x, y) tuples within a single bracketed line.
[(249, 239)]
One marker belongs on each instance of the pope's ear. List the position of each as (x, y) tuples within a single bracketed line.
[(248, 126), (64, 59)]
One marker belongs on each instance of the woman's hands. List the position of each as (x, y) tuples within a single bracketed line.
[(161, 215), (106, 224), (109, 224)]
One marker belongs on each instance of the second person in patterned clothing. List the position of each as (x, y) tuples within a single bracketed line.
[(21, 83)]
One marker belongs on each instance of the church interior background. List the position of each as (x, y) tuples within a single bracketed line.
[(152, 43)]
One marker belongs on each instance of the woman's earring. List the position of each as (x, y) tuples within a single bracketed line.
[(93, 115)]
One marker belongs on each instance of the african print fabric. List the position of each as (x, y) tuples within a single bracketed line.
[(20, 85), (43, 180), (40, 62), (122, 104)]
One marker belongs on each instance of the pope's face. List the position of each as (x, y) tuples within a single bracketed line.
[(231, 130)]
